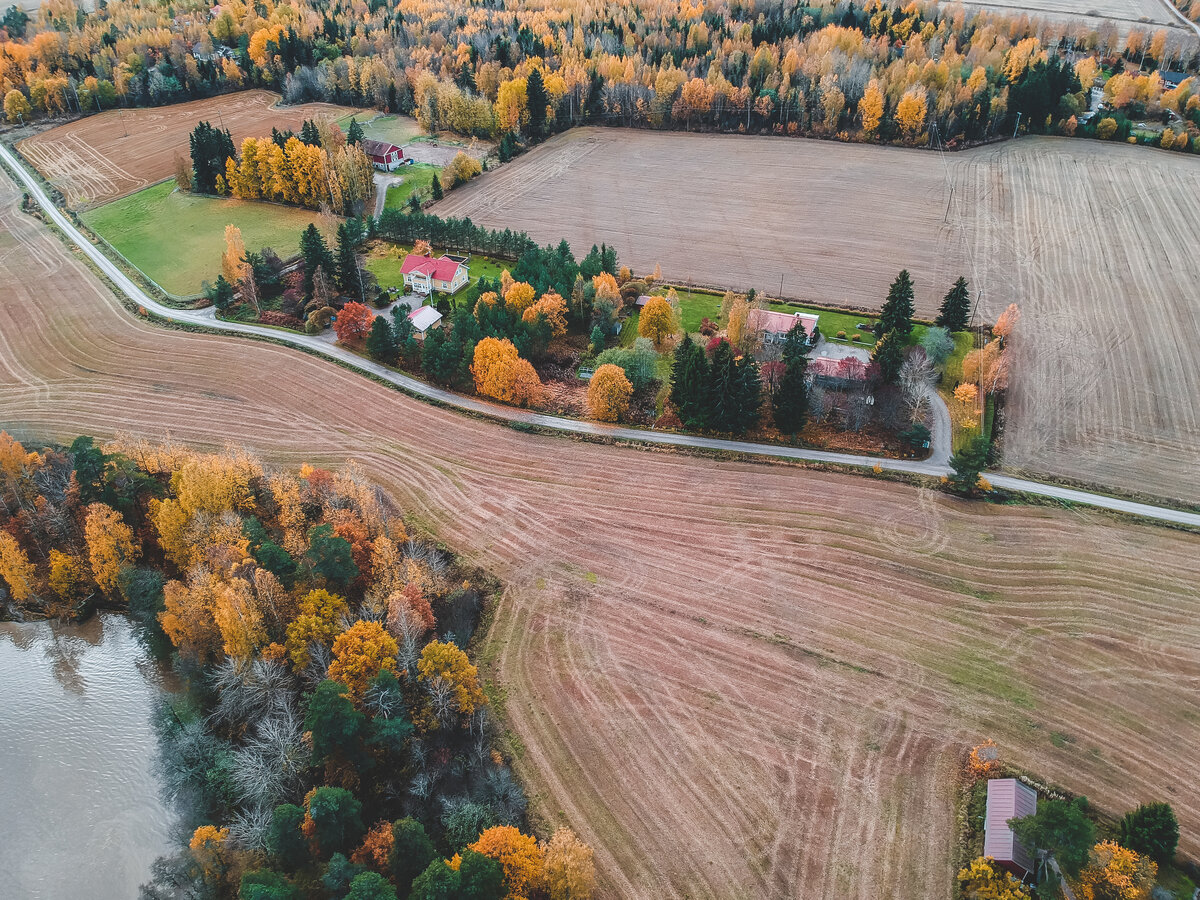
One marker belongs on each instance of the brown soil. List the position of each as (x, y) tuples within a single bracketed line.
[(101, 157), (735, 680), (1096, 242)]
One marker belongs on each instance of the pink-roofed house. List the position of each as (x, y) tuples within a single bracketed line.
[(424, 274), (772, 326), (1008, 798)]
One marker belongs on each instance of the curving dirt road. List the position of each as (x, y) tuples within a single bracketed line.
[(734, 679), (936, 465)]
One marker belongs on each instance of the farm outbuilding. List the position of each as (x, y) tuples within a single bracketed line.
[(424, 318), (1007, 799), (383, 155)]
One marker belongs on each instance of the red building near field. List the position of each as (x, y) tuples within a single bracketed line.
[(383, 155)]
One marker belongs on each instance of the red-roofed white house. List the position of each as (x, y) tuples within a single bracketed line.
[(1007, 799), (773, 326), (424, 274), (382, 154)]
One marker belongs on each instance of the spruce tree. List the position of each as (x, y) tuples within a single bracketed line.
[(221, 294), (437, 187), (790, 402), (722, 392), (967, 463), (316, 256), (347, 262), (309, 134), (889, 356), (748, 406), (381, 342), (688, 380), (956, 307), (441, 354), (210, 147), (898, 308), (355, 133), (536, 101)]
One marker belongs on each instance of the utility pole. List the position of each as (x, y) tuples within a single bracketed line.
[(1018, 125)]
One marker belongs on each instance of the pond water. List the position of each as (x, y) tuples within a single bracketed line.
[(80, 811)]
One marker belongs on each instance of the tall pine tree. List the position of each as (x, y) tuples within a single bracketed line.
[(733, 392), (309, 133), (956, 307), (537, 101), (355, 134), (790, 401), (210, 147), (689, 376), (347, 263), (316, 256), (898, 308), (381, 342), (889, 356), (436, 187)]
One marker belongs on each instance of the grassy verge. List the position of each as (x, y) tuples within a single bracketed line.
[(177, 239), (418, 178), (398, 130)]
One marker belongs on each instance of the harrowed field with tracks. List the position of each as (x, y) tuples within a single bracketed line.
[(1095, 242)]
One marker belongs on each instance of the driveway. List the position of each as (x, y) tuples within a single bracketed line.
[(383, 180)]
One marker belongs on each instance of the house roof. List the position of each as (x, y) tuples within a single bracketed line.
[(1171, 77), (849, 368), (1007, 799), (643, 299), (424, 317), (441, 269), (379, 148), (780, 322)]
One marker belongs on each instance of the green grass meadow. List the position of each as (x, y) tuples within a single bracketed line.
[(695, 306), (417, 177), (398, 130), (177, 239)]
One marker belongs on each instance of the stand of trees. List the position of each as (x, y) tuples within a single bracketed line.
[(334, 738)]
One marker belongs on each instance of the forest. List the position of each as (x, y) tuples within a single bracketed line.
[(332, 738), (917, 74)]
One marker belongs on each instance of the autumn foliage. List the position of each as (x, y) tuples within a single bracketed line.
[(608, 393), (353, 324), (657, 321), (360, 653), (500, 372), (1116, 873), (523, 861)]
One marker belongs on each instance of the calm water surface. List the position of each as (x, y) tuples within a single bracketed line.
[(80, 812)]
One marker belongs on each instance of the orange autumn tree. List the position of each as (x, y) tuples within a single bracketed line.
[(657, 321), (608, 393), (553, 309), (987, 367), (15, 568), (188, 615), (360, 653), (1007, 322), (320, 613), (376, 848), (520, 857), (110, 545), (570, 868), (1116, 873), (519, 296), (500, 372), (445, 661), (984, 880), (353, 324), (984, 760)]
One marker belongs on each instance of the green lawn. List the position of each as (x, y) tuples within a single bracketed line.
[(386, 265), (177, 239), (417, 177), (398, 130), (695, 306)]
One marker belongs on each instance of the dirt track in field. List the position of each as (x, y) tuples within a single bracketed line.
[(108, 155), (1095, 242), (735, 680)]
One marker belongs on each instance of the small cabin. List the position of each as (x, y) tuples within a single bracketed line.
[(1008, 798), (423, 318)]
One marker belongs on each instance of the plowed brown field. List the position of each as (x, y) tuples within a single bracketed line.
[(114, 153), (735, 680), (1096, 242)]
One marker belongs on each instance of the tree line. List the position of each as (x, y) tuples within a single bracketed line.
[(333, 738)]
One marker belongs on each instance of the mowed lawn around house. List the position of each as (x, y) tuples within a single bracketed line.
[(696, 306), (177, 239), (417, 177), (385, 260)]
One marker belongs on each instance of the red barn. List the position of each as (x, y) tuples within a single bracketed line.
[(383, 155)]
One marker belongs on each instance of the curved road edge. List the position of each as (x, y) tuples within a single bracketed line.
[(207, 318)]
